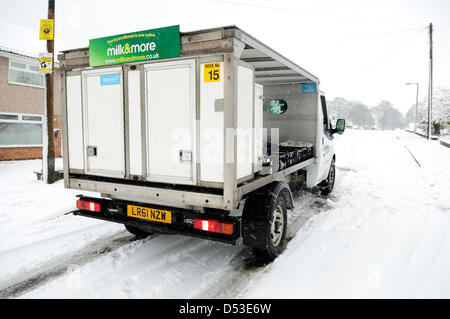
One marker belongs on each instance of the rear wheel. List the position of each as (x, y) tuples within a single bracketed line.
[(326, 186), (276, 226), (137, 232)]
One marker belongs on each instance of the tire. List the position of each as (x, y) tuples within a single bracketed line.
[(141, 234), (326, 186), (275, 231)]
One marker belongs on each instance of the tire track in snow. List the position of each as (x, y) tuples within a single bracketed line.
[(34, 279), (421, 236), (245, 266), (241, 269)]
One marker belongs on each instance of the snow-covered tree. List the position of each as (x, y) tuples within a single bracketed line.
[(440, 110), (339, 108), (387, 116), (353, 111), (410, 116), (361, 115)]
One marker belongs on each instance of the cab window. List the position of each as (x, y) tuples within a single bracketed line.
[(274, 106), (326, 123)]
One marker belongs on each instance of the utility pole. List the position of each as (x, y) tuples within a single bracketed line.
[(417, 104), (49, 168), (430, 88)]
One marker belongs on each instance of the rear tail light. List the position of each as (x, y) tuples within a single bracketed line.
[(213, 226), (88, 205)]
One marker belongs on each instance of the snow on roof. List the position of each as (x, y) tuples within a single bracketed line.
[(5, 51), (18, 52)]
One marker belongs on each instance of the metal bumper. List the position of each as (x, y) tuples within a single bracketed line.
[(152, 194), (114, 210)]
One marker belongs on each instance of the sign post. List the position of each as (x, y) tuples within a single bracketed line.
[(46, 65)]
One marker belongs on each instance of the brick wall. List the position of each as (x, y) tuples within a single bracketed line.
[(24, 99), (29, 100), (24, 153), (20, 153)]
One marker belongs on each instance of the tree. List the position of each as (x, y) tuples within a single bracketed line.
[(357, 113), (360, 114), (440, 111), (353, 111), (387, 116), (339, 108), (410, 116)]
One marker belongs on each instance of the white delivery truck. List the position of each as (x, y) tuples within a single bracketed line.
[(198, 133)]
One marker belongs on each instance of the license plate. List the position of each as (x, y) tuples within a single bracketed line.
[(156, 215)]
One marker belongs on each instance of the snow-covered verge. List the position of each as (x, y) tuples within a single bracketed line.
[(34, 232), (47, 254), (382, 233), (446, 140), (385, 235)]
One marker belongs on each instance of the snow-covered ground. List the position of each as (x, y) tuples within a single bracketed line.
[(387, 233), (383, 233), (445, 139)]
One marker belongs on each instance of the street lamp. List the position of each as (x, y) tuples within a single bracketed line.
[(417, 103)]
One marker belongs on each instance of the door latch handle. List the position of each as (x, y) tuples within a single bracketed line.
[(186, 156), (91, 150)]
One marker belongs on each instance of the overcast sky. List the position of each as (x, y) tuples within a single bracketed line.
[(360, 50)]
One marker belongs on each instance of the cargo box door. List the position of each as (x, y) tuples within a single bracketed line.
[(103, 122), (170, 121)]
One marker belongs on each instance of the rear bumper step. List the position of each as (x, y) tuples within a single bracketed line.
[(182, 222)]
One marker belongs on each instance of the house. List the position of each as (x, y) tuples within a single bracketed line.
[(22, 100)]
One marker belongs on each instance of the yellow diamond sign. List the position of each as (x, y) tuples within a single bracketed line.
[(46, 30)]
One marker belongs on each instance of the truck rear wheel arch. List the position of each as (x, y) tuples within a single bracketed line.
[(257, 219)]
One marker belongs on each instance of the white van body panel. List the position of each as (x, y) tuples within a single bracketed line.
[(103, 122), (75, 122), (318, 172), (211, 128), (170, 117), (134, 122)]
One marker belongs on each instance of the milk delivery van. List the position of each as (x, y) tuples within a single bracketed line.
[(198, 133)]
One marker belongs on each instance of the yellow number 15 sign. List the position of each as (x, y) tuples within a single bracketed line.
[(212, 72)]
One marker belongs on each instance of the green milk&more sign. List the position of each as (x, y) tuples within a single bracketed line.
[(161, 43)]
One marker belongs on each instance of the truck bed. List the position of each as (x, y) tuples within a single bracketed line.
[(289, 154)]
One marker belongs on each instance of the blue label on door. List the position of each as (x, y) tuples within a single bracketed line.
[(309, 88), (110, 79)]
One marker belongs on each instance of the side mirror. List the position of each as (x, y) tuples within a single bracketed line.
[(340, 127)]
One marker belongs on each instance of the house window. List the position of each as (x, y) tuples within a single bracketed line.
[(25, 74), (9, 117), (20, 130)]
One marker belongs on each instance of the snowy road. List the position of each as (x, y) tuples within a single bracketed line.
[(383, 233)]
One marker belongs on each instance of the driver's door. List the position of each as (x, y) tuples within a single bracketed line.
[(326, 144)]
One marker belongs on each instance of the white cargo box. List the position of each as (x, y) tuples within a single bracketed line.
[(169, 136), (185, 131)]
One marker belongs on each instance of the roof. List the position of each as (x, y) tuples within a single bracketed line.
[(270, 66), (22, 54), (17, 52)]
